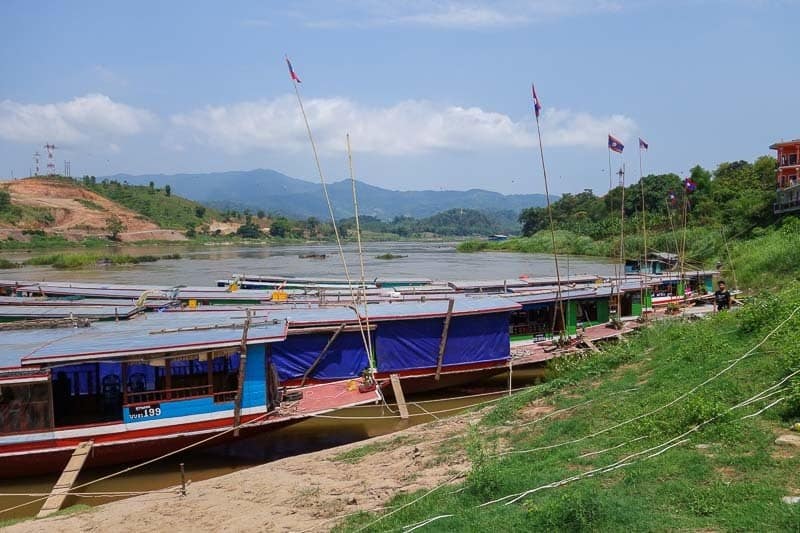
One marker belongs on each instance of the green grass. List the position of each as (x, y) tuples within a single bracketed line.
[(27, 216), (5, 264), (90, 204), (734, 480), (81, 260), (354, 455), (172, 212), (771, 259), (43, 242)]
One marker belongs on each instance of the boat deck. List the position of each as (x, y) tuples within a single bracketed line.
[(527, 353), (326, 397)]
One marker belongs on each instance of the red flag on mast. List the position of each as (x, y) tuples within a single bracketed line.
[(294, 76)]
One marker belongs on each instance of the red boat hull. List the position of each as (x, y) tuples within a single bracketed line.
[(31, 459)]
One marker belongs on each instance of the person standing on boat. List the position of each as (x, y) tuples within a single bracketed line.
[(722, 297)]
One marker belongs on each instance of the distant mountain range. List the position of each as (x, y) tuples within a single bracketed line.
[(295, 198)]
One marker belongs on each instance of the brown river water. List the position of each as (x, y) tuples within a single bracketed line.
[(202, 265)]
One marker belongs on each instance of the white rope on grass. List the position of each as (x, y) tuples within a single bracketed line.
[(652, 451), (664, 406), (570, 408), (620, 445), (340, 517), (762, 396), (776, 402), (665, 445), (412, 502), (426, 522)]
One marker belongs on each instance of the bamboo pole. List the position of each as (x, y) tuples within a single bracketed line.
[(550, 218)]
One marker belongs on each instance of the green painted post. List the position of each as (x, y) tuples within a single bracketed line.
[(636, 305), (602, 311), (572, 317)]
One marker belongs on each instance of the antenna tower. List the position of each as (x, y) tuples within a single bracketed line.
[(51, 162), (36, 157)]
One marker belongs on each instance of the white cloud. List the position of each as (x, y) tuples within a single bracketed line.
[(456, 14), (83, 119), (409, 127), (563, 127)]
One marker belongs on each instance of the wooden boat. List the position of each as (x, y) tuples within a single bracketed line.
[(145, 387), (428, 344)]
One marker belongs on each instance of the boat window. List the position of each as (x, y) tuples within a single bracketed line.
[(24, 407), (87, 393), (182, 377)]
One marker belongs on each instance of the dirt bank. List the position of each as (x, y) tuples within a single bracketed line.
[(73, 208), (306, 492)]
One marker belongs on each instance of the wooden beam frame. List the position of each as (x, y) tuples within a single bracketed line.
[(322, 354), (237, 410), (443, 343)]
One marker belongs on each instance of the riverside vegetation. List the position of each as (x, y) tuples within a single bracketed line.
[(598, 461), (673, 380), (733, 202)]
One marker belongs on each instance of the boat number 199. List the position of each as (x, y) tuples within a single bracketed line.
[(144, 411)]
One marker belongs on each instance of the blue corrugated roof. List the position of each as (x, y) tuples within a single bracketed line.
[(400, 310), (154, 334), (65, 311)]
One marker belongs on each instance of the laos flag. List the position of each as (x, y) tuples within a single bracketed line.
[(614, 144)]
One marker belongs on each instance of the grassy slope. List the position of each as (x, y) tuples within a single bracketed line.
[(729, 476), (172, 212)]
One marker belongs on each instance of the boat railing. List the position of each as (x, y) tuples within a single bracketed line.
[(168, 394), (227, 396)]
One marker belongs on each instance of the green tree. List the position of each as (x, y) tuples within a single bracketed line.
[(261, 214), (168, 190), (151, 187), (200, 211), (5, 200), (114, 226), (249, 230), (280, 227)]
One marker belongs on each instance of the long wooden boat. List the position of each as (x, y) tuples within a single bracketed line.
[(145, 387), (428, 344)]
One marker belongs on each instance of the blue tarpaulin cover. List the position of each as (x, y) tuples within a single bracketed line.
[(346, 358), (409, 344)]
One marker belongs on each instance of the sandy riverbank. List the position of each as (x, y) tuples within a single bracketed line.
[(309, 492)]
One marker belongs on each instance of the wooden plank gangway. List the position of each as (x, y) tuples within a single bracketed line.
[(66, 480), (397, 388)]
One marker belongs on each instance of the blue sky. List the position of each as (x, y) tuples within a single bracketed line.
[(435, 93)]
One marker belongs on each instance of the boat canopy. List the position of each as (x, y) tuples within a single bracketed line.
[(158, 333), (414, 344)]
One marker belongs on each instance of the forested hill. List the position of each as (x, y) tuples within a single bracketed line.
[(736, 197), (295, 198), (450, 223)]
